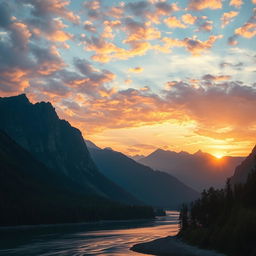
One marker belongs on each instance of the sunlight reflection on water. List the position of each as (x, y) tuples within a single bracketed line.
[(103, 238)]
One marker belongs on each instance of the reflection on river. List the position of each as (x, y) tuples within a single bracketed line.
[(102, 238)]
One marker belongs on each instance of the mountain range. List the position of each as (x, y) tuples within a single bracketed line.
[(199, 171), (155, 188)]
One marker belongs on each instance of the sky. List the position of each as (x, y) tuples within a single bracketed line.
[(138, 75)]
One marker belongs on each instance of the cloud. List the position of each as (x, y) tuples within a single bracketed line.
[(204, 4), (236, 3), (136, 70), (232, 40), (188, 18), (88, 26), (137, 36), (193, 45), (20, 34), (206, 26), (138, 31), (173, 22), (92, 5), (227, 17), (228, 64), (196, 46), (248, 30), (211, 108), (209, 77), (5, 15), (43, 8)]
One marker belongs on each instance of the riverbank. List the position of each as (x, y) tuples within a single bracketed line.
[(171, 246)]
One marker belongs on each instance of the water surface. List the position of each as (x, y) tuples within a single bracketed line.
[(101, 238)]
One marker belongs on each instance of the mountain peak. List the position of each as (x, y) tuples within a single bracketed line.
[(199, 152), (21, 98)]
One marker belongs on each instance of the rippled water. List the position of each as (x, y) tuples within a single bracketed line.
[(102, 238)]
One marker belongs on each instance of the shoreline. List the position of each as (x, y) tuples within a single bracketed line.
[(171, 246)]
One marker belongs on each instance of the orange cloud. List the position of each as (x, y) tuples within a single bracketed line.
[(59, 36), (209, 77), (196, 46), (140, 31), (20, 34), (161, 9), (188, 18), (206, 26), (138, 35), (173, 22), (248, 30), (203, 4), (57, 7), (92, 5), (13, 81), (227, 17), (236, 3), (136, 70), (116, 12)]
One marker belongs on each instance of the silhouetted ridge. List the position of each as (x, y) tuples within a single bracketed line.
[(199, 170), (242, 171), (31, 193), (152, 187), (61, 147)]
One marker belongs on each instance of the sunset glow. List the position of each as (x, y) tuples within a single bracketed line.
[(218, 155), (138, 75)]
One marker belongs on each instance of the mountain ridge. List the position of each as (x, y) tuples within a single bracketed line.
[(156, 188), (199, 170)]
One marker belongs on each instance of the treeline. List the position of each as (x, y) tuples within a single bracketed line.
[(39, 210), (224, 220)]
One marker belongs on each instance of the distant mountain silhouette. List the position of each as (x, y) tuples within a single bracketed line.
[(243, 170), (199, 170), (31, 193), (152, 187), (137, 157)]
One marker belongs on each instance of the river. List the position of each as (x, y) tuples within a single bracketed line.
[(102, 238)]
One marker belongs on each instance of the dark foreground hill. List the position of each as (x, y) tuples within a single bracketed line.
[(243, 170), (155, 188), (31, 193), (60, 147)]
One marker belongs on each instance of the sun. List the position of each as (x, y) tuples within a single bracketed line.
[(218, 155)]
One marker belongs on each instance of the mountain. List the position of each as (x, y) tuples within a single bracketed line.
[(90, 144), (199, 170), (242, 171), (137, 157), (54, 142), (31, 193), (155, 188)]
